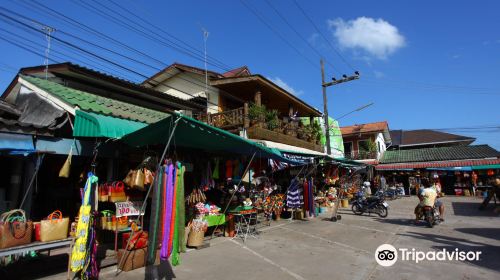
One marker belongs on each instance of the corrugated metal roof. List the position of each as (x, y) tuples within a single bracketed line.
[(95, 103), (440, 154)]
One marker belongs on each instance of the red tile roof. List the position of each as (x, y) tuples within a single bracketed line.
[(364, 128), (437, 164), (238, 72)]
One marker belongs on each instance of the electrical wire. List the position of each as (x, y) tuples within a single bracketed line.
[(323, 35), (262, 19), (298, 33)]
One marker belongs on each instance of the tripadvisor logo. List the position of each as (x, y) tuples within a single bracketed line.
[(387, 255)]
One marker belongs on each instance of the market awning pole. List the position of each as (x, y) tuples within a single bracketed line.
[(35, 173), (235, 191), (143, 207)]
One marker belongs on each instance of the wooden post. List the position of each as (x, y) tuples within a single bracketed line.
[(246, 120), (209, 121), (290, 111), (311, 120), (258, 98)]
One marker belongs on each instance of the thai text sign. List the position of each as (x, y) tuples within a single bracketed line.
[(128, 208)]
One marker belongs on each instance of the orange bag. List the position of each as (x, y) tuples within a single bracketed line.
[(148, 177)]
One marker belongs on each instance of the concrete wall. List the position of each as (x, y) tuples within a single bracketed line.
[(189, 85)]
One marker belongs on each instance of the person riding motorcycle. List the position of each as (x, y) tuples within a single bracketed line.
[(427, 195), (438, 204)]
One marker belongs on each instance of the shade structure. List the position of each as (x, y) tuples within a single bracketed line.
[(96, 125), (16, 142), (191, 133)]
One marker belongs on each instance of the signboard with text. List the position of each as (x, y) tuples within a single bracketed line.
[(128, 208)]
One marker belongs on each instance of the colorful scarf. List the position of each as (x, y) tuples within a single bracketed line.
[(179, 230), (167, 217), (154, 222)]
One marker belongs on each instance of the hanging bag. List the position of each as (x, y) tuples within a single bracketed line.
[(138, 179), (55, 227), (65, 169), (148, 176), (15, 230)]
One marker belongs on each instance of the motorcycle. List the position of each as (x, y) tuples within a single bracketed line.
[(394, 193), (371, 204), (431, 216)]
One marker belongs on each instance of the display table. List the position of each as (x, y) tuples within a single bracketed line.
[(41, 246), (215, 220)]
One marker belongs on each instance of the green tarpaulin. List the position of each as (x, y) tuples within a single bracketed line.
[(488, 166), (191, 133), (95, 125)]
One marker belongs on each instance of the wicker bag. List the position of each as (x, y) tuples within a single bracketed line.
[(55, 227), (15, 230)]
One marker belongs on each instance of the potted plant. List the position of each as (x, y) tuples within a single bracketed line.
[(272, 120), (257, 114)]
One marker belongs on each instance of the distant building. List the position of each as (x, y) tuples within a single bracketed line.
[(366, 142), (426, 138)]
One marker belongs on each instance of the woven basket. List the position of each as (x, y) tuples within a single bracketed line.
[(195, 238)]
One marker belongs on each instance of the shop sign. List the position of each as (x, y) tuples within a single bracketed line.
[(298, 158), (128, 208)]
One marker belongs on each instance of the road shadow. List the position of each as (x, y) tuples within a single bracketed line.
[(401, 222), (489, 254), (161, 271), (493, 233), (471, 209)]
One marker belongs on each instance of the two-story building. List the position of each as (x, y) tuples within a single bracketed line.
[(246, 104), (366, 142)]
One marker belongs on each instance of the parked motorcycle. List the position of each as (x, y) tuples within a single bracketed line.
[(371, 204), (394, 193), (431, 216)]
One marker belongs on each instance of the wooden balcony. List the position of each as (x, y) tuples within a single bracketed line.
[(256, 132), (286, 131)]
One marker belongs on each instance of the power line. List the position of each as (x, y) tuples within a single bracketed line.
[(276, 32), (166, 33), (85, 28), (169, 86), (297, 33), (323, 35), (153, 36)]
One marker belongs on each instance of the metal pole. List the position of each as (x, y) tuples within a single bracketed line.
[(325, 109)]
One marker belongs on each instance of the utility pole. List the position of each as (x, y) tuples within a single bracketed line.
[(324, 85)]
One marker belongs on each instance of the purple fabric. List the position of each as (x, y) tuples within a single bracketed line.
[(167, 216)]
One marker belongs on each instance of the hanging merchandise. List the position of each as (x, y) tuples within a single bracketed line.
[(167, 211), (181, 205), (215, 174), (138, 179), (81, 256), (229, 169), (154, 224), (148, 176), (65, 169), (294, 195)]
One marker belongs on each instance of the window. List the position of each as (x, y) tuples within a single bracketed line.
[(348, 149)]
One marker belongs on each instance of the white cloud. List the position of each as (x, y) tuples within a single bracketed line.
[(376, 37), (285, 86)]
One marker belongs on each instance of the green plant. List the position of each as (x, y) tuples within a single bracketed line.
[(317, 131), (272, 119), (372, 147), (257, 112)]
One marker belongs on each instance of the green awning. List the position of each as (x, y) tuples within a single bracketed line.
[(96, 125), (191, 133), (487, 166)]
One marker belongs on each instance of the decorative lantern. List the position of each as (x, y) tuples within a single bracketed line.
[(490, 172)]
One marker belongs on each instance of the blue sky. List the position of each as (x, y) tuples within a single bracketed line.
[(425, 64)]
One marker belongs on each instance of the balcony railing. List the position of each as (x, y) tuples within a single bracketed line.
[(285, 130), (360, 155)]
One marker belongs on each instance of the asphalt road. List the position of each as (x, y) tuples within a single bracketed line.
[(319, 249)]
